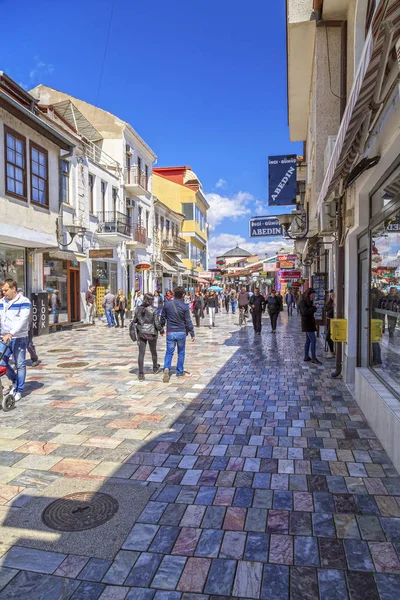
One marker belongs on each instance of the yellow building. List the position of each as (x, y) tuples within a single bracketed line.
[(180, 189)]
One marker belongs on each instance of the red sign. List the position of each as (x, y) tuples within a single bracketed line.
[(143, 267), (286, 275), (292, 257), (282, 257)]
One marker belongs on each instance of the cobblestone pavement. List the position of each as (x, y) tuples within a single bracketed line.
[(266, 481)]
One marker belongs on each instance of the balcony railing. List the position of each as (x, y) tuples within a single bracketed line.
[(135, 177), (114, 222), (174, 244), (139, 234)]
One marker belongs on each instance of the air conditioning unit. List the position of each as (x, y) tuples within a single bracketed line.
[(330, 146), (128, 150), (327, 218)]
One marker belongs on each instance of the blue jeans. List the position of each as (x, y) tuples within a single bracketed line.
[(233, 304), (110, 317), (311, 340), (55, 312), (178, 338), (18, 349)]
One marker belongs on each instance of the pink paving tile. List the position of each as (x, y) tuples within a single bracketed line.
[(234, 518), (194, 575), (187, 541), (224, 496), (303, 501), (142, 473), (75, 466), (40, 448), (385, 557), (193, 516), (281, 549)]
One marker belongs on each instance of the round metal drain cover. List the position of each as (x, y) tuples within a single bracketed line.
[(80, 511), (58, 351), (72, 365)]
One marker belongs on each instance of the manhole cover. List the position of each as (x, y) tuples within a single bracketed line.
[(72, 365), (80, 511), (58, 351)]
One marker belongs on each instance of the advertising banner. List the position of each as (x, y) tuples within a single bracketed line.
[(40, 313), (265, 227), (287, 275), (319, 284), (282, 180)]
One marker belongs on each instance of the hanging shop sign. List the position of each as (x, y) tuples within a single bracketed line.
[(269, 267), (100, 293), (205, 275), (319, 285), (143, 267), (282, 257), (287, 275), (102, 253), (221, 262), (40, 313), (282, 180), (286, 264), (265, 227)]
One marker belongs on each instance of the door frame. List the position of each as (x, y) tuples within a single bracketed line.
[(71, 273)]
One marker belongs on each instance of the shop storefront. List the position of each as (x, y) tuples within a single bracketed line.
[(379, 275), (13, 264), (62, 276), (104, 274)]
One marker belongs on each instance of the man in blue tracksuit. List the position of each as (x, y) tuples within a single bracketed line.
[(176, 317), (15, 312)]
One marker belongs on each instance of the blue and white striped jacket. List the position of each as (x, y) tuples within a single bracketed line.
[(14, 316)]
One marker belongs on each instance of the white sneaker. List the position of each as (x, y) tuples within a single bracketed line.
[(17, 396)]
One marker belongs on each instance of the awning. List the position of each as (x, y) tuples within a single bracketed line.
[(166, 267), (70, 113), (359, 101), (67, 255), (177, 262)]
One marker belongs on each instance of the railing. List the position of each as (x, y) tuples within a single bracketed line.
[(98, 156), (174, 244), (139, 234), (135, 177), (114, 222)]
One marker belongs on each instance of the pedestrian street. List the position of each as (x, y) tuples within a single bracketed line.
[(254, 476)]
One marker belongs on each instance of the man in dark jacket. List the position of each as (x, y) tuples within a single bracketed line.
[(257, 307), (289, 299), (176, 316), (309, 326), (274, 306)]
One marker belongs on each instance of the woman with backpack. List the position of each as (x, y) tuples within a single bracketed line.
[(148, 326)]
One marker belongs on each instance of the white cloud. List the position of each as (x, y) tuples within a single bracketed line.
[(223, 207), (221, 184), (219, 244), (40, 70)]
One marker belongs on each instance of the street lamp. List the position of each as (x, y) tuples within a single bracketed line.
[(73, 231), (295, 225)]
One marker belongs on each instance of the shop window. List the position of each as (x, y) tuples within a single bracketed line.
[(65, 181), (385, 301), (15, 163), (55, 276), (12, 264), (385, 193), (39, 175)]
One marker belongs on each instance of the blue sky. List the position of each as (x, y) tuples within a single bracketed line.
[(203, 82)]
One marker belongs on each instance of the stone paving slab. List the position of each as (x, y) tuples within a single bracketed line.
[(261, 477)]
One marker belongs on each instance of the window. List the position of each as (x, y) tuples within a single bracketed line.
[(15, 163), (187, 210), (115, 199), (156, 221), (140, 216), (39, 175), (173, 230), (91, 193), (200, 218), (167, 227), (103, 196), (65, 181), (146, 175), (162, 226), (139, 164)]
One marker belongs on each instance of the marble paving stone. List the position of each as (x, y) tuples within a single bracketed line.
[(331, 553), (88, 590), (95, 569), (210, 542), (275, 583), (111, 592), (300, 523), (187, 541), (385, 557), (346, 526), (361, 586), (194, 575), (120, 567), (37, 586), (303, 583), (32, 560), (306, 551), (388, 586), (332, 585), (144, 570), (256, 549), (6, 575), (248, 579), (71, 566), (358, 555), (140, 537), (165, 539), (233, 545), (169, 572), (370, 528), (281, 549), (220, 577)]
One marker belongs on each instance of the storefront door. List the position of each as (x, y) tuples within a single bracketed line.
[(363, 308), (73, 290)]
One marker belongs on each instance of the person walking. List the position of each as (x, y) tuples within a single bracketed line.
[(212, 305), (227, 300), (120, 308), (274, 306), (108, 304), (309, 326), (90, 305), (290, 301), (243, 299), (234, 298), (188, 298), (176, 317), (158, 302), (55, 306), (15, 311), (329, 313), (148, 327), (137, 300), (198, 307), (257, 307)]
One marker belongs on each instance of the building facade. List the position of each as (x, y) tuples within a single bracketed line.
[(169, 247), (180, 189), (349, 113)]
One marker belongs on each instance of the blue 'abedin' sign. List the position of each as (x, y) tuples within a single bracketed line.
[(282, 180), (265, 227)]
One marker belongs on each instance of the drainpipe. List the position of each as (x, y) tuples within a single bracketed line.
[(60, 219)]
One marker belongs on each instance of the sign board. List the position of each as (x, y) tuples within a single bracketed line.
[(100, 293), (205, 275), (143, 267), (40, 313), (102, 253), (292, 257), (319, 285), (282, 257), (286, 275), (269, 267), (282, 180), (265, 227), (286, 264), (338, 330), (376, 330)]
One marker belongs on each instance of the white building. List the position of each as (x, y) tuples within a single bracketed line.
[(122, 212)]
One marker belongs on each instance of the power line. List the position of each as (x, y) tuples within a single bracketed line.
[(104, 58)]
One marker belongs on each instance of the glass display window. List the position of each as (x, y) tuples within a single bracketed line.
[(12, 264)]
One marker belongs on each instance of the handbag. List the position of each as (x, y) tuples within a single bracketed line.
[(133, 331)]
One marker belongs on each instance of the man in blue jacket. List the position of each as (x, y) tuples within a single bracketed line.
[(176, 318)]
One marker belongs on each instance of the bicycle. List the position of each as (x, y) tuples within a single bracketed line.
[(242, 316)]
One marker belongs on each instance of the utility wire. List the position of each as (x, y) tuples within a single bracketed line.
[(329, 66), (104, 58)]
